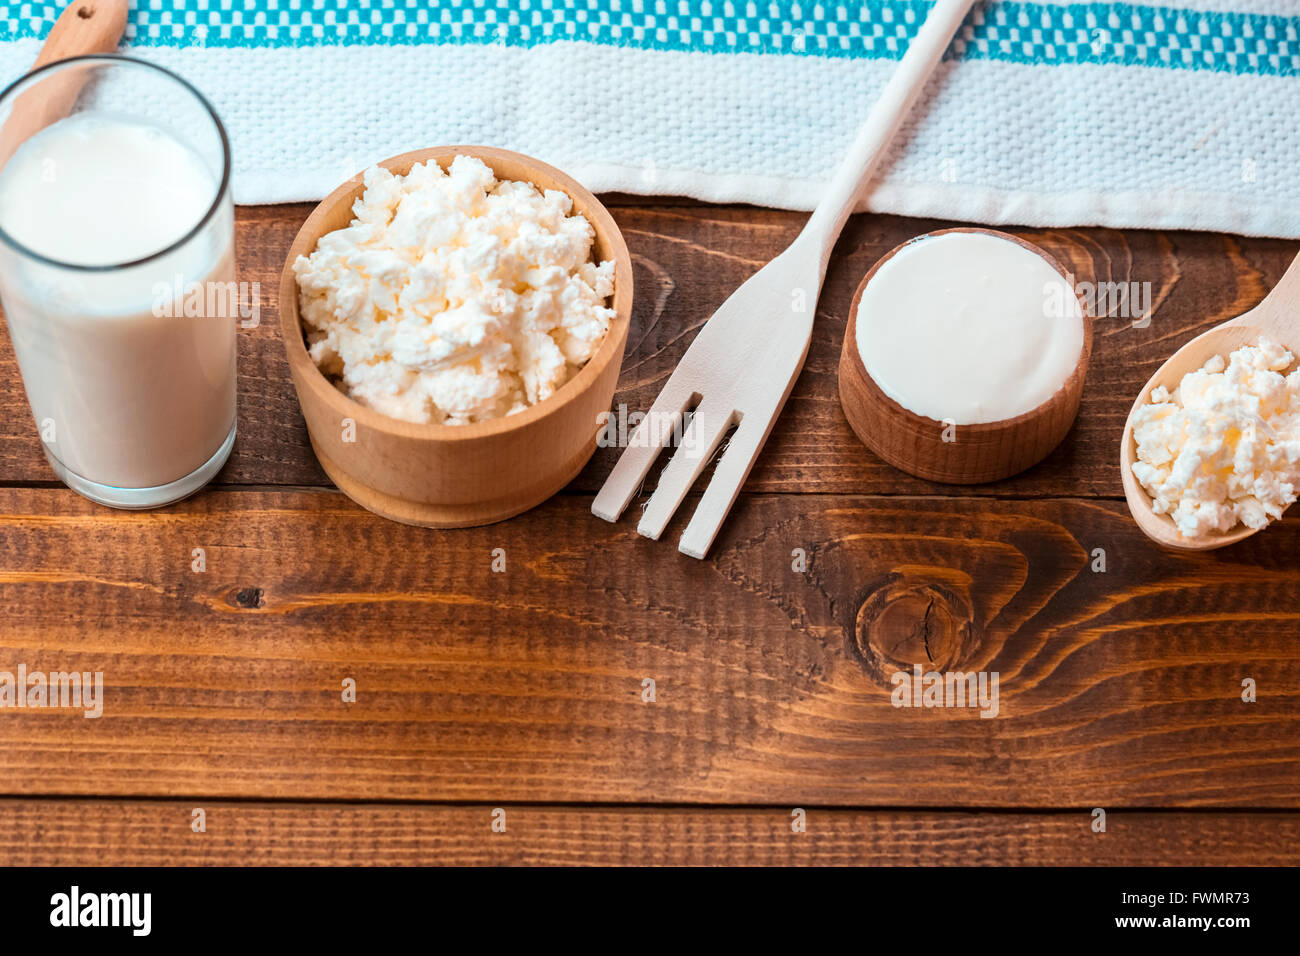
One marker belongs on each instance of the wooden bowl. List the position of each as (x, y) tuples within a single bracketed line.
[(984, 452), (450, 476)]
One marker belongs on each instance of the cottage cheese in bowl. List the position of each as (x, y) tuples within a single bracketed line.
[(1224, 447), (453, 297)]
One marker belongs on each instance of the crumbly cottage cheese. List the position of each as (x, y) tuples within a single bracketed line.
[(1225, 446), (453, 298)]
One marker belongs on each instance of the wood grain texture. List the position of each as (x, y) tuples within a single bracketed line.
[(687, 260), (158, 833), (523, 689), (1117, 689)]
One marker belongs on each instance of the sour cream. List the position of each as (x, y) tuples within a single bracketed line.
[(968, 328)]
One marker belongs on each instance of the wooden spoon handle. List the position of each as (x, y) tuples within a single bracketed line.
[(1282, 306), (1278, 315), (86, 26), (892, 106)]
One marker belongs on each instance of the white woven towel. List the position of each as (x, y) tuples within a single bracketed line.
[(1044, 114)]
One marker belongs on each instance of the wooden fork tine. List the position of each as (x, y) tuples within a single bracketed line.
[(728, 478), (698, 445), (643, 448)]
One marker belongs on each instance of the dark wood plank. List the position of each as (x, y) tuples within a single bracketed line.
[(1118, 689), (160, 833), (687, 260)]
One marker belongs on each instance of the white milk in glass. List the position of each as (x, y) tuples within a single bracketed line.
[(129, 387)]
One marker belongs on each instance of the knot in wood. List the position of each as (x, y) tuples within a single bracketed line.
[(250, 598), (906, 623)]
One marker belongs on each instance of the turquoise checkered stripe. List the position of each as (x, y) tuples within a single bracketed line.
[(1098, 33)]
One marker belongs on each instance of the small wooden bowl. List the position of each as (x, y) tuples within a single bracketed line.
[(984, 452), (452, 476)]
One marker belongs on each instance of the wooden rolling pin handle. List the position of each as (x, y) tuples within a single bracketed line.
[(86, 26)]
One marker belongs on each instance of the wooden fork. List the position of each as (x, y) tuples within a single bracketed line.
[(744, 361)]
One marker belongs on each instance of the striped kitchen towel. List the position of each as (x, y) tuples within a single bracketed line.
[(1183, 115)]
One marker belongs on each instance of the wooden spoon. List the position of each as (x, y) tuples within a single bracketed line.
[(1276, 318), (86, 26)]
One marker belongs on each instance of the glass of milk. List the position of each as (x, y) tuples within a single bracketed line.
[(117, 275)]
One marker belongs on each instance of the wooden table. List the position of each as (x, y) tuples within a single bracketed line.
[(522, 690)]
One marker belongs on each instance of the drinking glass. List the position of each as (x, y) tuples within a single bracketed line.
[(129, 367)]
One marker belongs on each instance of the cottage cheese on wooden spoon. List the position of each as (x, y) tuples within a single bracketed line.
[(453, 298), (1224, 447)]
